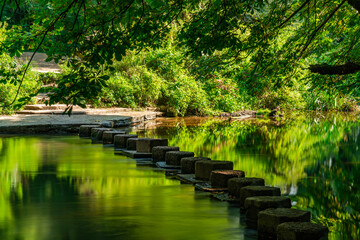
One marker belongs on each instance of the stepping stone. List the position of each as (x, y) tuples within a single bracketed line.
[(174, 157), (85, 130), (97, 133), (188, 178), (203, 169), (224, 196), (220, 178), (108, 136), (134, 154), (206, 187), (253, 191), (301, 231), (168, 167), (235, 184), (269, 219), (188, 164), (146, 145), (120, 140), (158, 152), (253, 205), (131, 143)]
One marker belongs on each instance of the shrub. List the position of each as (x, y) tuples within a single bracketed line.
[(11, 73)]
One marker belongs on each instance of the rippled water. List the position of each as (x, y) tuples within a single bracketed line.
[(67, 188)]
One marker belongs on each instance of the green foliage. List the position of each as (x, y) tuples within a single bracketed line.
[(329, 100), (235, 54), (48, 77), (285, 98), (11, 71), (159, 78), (77, 84)]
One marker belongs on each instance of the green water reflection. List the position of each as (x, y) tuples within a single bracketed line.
[(313, 158), (68, 188)]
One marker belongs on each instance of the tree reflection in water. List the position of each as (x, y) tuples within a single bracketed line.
[(314, 159)]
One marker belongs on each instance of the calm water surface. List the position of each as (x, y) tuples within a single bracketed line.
[(67, 188)]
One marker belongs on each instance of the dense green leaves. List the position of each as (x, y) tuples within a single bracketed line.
[(269, 44)]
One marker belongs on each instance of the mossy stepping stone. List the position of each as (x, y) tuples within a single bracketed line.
[(174, 157), (252, 191), (145, 145), (269, 219), (120, 140), (301, 231), (158, 152), (219, 178), (188, 164), (203, 169), (235, 184), (85, 130), (253, 205)]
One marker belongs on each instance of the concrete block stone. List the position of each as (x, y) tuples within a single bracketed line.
[(85, 130), (97, 133), (145, 145), (301, 231), (203, 169), (235, 184), (188, 164), (269, 219), (120, 139), (158, 152), (253, 205), (252, 191), (219, 178), (131, 143), (108, 136), (174, 157)]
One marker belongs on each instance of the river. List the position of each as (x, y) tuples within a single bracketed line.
[(65, 187)]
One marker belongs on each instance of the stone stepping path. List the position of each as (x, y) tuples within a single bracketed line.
[(265, 209)]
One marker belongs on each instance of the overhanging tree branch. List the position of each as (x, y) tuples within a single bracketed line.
[(325, 69), (293, 14), (49, 28), (313, 35)]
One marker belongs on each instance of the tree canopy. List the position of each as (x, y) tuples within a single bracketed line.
[(269, 39)]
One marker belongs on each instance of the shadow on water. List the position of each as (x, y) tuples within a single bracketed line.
[(67, 188)]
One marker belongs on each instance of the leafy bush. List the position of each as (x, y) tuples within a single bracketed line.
[(48, 77), (155, 78), (327, 101), (11, 72), (285, 98)]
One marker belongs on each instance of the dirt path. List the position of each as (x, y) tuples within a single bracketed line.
[(39, 63)]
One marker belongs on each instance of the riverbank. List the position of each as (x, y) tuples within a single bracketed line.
[(54, 122), (42, 119)]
